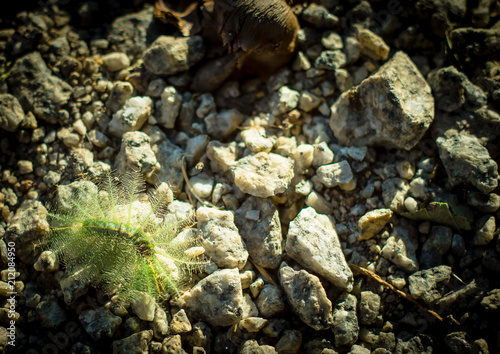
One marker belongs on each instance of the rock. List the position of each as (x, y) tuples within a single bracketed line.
[(491, 302), (330, 60), (37, 89), (487, 203), (221, 156), (221, 239), (467, 161), (443, 15), (74, 285), (136, 343), (318, 203), (171, 55), (202, 185), (485, 231), (429, 284), (290, 342), (256, 141), (171, 105), (458, 343), (160, 323), (373, 222), (475, 42), (262, 235), (331, 40), (100, 323), (336, 174), (319, 17), (115, 61), (132, 116), (401, 247), (195, 148), (201, 336), (270, 301), (252, 324), (49, 313), (263, 175), (216, 299), (172, 344), (207, 105), (436, 246), (221, 125), (144, 306), (180, 323), (369, 307), (170, 170), (313, 242), (284, 100), (136, 155), (345, 323), (46, 262), (25, 167), (464, 298), (322, 155), (394, 191), (26, 228), (303, 156), (372, 45), (392, 123), (307, 297), (11, 112), (285, 146), (120, 93), (131, 33)]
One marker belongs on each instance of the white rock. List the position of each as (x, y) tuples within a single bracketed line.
[(202, 185), (171, 104), (335, 174), (115, 61), (303, 157), (222, 124), (132, 116), (256, 141), (284, 100), (322, 155)]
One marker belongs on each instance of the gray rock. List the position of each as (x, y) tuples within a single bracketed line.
[(132, 116), (144, 306), (130, 33), (119, 94), (401, 248), (11, 112), (207, 105), (491, 260), (49, 313), (216, 299), (463, 298), (458, 343), (100, 323), (369, 307), (222, 156), (436, 246), (136, 343), (270, 301), (467, 161), (262, 235), (372, 222), (485, 231), (399, 121), (201, 336), (221, 125), (195, 148), (345, 323), (307, 297), (160, 323), (284, 100), (487, 203), (290, 342), (319, 17), (171, 105), (37, 89), (429, 284), (322, 155), (170, 157), (136, 155), (394, 192), (313, 242), (336, 174), (171, 55), (221, 239), (46, 262), (75, 284), (330, 60), (263, 175), (115, 61), (27, 227)]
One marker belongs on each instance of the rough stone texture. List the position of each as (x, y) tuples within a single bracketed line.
[(170, 55), (136, 155), (429, 284), (180, 323), (345, 323), (372, 222), (27, 227), (221, 156), (216, 299), (336, 174), (401, 248), (115, 61), (485, 231), (394, 192), (74, 285), (307, 297), (369, 306), (221, 125), (284, 100), (100, 323), (132, 116), (436, 246), (136, 343), (169, 156), (397, 108), (263, 175), (313, 242), (372, 45), (467, 161), (256, 140), (458, 342), (491, 302), (221, 238), (443, 14), (50, 314), (270, 301), (262, 235), (318, 16), (171, 105), (289, 342), (120, 93), (11, 112), (37, 90)]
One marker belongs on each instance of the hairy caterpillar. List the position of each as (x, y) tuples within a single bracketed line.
[(120, 239)]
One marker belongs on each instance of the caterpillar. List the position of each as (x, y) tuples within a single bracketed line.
[(121, 239)]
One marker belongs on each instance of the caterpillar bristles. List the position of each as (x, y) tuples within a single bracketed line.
[(121, 239)]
